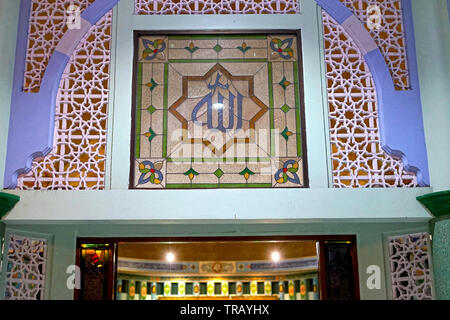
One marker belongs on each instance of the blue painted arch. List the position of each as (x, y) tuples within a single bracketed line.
[(32, 119), (399, 112)]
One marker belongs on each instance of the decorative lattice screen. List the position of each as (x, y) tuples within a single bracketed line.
[(167, 7), (78, 159), (47, 26), (390, 36), (409, 261), (357, 158), (25, 268)]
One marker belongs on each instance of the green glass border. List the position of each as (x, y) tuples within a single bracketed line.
[(138, 111), (216, 185), (165, 109), (271, 109), (215, 36), (297, 112), (221, 160), (236, 60)]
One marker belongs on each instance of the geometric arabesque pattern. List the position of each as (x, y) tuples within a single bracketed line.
[(78, 158), (390, 37), (47, 25), (218, 111), (409, 261), (357, 158), (26, 268), (157, 7)]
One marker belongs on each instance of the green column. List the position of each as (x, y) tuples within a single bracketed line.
[(7, 202), (439, 206)]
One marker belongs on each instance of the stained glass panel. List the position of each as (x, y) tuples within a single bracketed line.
[(218, 111)]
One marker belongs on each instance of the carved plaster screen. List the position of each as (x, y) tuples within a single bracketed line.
[(25, 268), (169, 7), (357, 158), (218, 111), (77, 161), (409, 260)]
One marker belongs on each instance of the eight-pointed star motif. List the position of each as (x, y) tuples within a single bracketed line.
[(185, 123)]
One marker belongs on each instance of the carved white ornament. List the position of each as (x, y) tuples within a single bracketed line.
[(78, 159), (409, 261), (25, 268), (152, 7), (357, 157)]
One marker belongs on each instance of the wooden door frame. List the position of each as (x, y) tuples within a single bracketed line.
[(111, 270), (322, 266), (320, 239)]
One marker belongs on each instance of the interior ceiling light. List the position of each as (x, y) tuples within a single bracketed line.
[(170, 257), (275, 256)]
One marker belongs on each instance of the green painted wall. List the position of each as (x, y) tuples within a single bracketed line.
[(432, 33), (220, 204), (62, 246)]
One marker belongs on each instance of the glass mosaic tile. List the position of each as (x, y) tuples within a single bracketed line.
[(218, 111)]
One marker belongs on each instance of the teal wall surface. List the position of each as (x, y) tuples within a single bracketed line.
[(63, 237), (432, 33), (9, 15)]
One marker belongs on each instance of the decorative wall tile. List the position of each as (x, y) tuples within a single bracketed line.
[(281, 48), (216, 116)]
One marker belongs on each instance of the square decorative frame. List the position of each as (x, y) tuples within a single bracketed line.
[(285, 172)]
